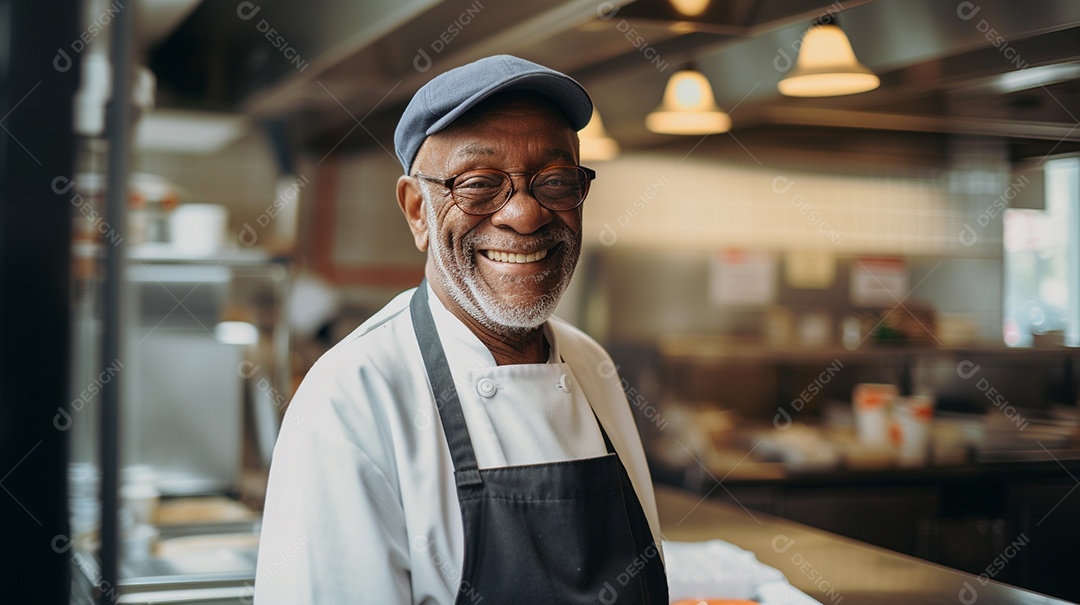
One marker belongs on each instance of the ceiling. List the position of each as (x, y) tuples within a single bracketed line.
[(337, 73)]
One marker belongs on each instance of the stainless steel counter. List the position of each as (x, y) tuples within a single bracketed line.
[(831, 568)]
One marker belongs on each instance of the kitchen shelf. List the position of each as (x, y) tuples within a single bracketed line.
[(707, 349)]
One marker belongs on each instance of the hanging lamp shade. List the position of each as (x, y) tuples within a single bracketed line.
[(688, 107), (690, 8), (596, 143), (827, 66)]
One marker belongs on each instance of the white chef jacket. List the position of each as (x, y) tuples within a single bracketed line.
[(362, 505)]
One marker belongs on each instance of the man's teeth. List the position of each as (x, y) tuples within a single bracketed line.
[(511, 257)]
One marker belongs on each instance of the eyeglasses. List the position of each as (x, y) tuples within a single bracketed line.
[(486, 191)]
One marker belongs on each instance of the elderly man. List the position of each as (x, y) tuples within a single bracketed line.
[(463, 445)]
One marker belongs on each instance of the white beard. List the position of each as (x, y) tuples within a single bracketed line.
[(458, 274)]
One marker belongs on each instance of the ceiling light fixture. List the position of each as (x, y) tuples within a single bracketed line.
[(690, 8), (827, 66), (688, 107), (596, 143)]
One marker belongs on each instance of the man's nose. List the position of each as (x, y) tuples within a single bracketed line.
[(522, 213)]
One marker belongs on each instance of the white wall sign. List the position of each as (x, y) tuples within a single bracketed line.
[(743, 277), (879, 282)]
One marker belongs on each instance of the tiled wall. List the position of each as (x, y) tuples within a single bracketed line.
[(660, 201), (652, 221)]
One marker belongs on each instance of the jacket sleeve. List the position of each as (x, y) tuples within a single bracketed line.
[(333, 526)]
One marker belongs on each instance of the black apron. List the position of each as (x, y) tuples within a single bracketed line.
[(560, 533)]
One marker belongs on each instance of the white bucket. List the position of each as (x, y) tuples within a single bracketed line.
[(198, 229)]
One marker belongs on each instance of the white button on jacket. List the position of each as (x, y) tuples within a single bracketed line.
[(486, 387)]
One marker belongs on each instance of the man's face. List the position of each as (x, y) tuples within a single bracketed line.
[(478, 259)]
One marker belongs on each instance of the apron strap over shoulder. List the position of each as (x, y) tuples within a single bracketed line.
[(466, 471)]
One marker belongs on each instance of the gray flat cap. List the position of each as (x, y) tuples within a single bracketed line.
[(450, 94)]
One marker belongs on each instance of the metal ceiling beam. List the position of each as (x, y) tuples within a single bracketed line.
[(844, 118)]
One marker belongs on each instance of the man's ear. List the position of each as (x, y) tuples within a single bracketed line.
[(411, 200)]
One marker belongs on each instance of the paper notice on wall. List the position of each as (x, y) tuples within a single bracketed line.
[(810, 269), (879, 282), (743, 277)]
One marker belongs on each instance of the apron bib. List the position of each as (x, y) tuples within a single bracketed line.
[(560, 533)]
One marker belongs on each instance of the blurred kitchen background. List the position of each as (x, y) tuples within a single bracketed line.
[(856, 311)]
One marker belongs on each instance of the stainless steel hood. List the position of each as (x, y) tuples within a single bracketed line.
[(339, 72)]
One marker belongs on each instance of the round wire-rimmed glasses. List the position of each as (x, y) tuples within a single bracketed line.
[(486, 191)]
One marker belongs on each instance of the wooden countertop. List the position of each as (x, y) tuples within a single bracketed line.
[(831, 568)]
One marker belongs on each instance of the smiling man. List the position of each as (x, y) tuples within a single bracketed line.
[(463, 445)]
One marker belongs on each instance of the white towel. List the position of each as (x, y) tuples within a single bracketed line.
[(716, 569)]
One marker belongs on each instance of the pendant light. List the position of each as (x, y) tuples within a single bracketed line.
[(596, 143), (690, 8), (688, 107), (827, 66)]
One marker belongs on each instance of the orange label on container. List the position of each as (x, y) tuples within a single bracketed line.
[(868, 396)]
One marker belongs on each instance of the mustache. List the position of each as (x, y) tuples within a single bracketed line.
[(532, 243), (472, 241)]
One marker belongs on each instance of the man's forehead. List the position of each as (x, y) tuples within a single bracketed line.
[(480, 150)]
